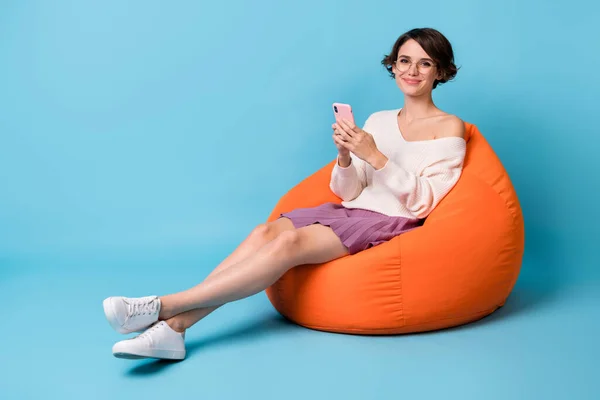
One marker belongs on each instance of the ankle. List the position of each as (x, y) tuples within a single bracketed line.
[(165, 312), (176, 324)]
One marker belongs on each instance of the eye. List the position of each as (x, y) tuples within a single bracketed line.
[(403, 60), (425, 64)]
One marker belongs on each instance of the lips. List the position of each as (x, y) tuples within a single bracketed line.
[(411, 81)]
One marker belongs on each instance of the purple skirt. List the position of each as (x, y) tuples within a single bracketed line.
[(358, 229)]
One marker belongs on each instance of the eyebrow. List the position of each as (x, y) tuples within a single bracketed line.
[(426, 59)]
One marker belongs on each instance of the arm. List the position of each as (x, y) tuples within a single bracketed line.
[(347, 183), (420, 194)]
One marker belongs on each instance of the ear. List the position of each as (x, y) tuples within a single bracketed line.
[(439, 76)]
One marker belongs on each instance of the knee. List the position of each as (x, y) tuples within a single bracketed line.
[(267, 231), (287, 241), (262, 232)]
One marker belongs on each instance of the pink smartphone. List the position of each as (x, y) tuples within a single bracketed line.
[(341, 110)]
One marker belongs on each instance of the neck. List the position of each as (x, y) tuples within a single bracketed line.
[(418, 107)]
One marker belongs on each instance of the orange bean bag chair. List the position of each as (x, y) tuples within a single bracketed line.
[(460, 266)]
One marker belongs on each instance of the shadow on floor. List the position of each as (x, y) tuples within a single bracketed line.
[(268, 324)]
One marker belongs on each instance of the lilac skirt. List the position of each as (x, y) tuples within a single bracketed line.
[(358, 229)]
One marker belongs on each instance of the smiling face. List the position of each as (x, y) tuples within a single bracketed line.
[(415, 71)]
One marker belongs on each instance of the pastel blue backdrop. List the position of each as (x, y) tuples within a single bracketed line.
[(141, 141)]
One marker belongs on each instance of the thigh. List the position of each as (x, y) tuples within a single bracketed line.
[(316, 244)]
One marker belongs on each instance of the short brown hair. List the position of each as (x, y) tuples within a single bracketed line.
[(435, 44)]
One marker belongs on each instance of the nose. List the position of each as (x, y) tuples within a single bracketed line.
[(413, 70)]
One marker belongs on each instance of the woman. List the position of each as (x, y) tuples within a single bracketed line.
[(387, 189)]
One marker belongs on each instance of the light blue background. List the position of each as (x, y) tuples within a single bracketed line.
[(141, 141)]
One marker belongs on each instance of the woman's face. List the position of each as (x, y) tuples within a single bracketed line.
[(415, 70)]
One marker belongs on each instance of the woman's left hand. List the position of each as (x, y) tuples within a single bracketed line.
[(356, 140)]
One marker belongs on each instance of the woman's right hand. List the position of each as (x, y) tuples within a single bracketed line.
[(337, 139)]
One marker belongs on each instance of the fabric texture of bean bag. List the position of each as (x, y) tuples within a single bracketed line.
[(460, 266)]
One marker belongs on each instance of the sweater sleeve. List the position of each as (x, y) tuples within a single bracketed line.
[(420, 194), (347, 183)]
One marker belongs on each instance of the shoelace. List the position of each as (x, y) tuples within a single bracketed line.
[(147, 332), (142, 306)]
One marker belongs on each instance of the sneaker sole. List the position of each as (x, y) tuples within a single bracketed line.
[(160, 354), (112, 318)]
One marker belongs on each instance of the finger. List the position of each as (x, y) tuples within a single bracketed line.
[(343, 135), (348, 125), (339, 130), (352, 127), (344, 126), (342, 142), (351, 124), (339, 141)]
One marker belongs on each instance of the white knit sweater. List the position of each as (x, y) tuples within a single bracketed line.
[(415, 179)]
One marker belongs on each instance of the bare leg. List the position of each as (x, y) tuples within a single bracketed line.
[(312, 244), (260, 236)]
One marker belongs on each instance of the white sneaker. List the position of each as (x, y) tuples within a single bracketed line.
[(158, 341), (128, 315)]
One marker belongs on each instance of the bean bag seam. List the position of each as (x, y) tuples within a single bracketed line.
[(484, 312), (402, 321), (366, 331), (511, 212)]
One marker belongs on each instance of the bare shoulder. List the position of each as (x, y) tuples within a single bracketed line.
[(450, 125)]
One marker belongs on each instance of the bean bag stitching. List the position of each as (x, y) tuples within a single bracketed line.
[(332, 328), (399, 261), (513, 213)]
